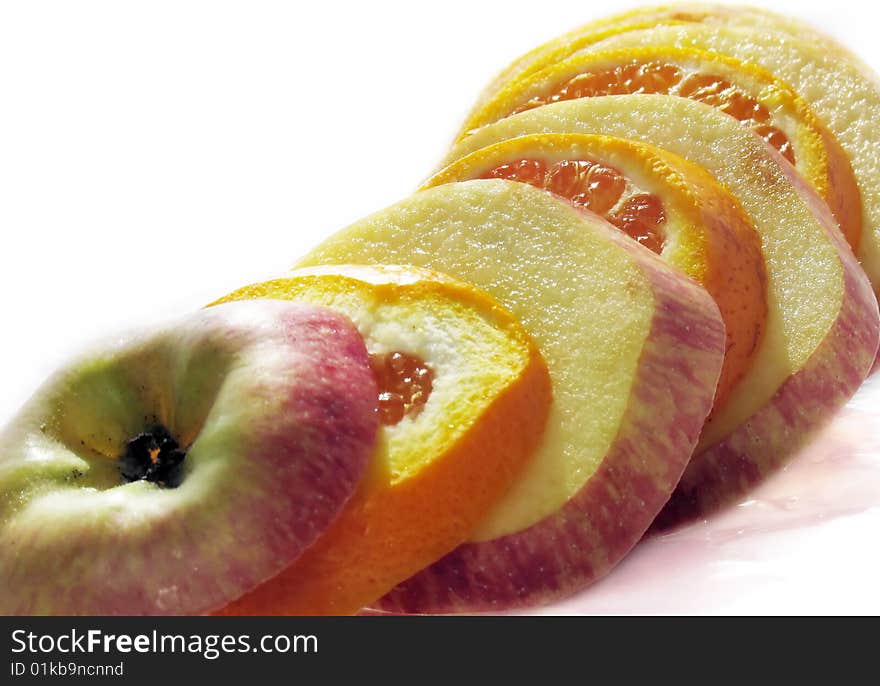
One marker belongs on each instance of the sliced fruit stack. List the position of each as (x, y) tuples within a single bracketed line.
[(639, 283)]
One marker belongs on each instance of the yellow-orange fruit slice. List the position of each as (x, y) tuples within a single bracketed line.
[(750, 94), (842, 91), (714, 14), (822, 320), (547, 53), (562, 47), (634, 349), (463, 398), (666, 203)]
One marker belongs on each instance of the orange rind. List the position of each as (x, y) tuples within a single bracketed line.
[(439, 468)]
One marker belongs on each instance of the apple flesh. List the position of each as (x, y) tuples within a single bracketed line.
[(634, 350), (802, 404), (168, 472), (822, 323), (842, 92), (814, 151), (713, 14), (703, 230)]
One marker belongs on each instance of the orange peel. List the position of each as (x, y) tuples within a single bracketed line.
[(434, 476)]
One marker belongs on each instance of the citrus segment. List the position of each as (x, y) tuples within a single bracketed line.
[(595, 186), (404, 382), (548, 53), (668, 79)]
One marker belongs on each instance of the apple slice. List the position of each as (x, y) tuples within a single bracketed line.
[(170, 471), (712, 14), (634, 351), (838, 89), (664, 202), (648, 18), (752, 95), (463, 398), (822, 323)]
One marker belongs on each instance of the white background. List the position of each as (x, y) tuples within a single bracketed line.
[(156, 155)]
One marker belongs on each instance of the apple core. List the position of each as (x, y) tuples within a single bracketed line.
[(153, 456)]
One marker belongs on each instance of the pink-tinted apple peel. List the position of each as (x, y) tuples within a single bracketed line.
[(634, 350), (803, 528), (595, 529), (274, 406), (822, 323)]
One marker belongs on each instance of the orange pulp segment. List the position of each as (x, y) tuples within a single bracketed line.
[(755, 97), (597, 187), (661, 78), (405, 382)]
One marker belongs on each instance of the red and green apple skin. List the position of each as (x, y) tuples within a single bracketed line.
[(719, 474), (823, 326), (565, 551), (634, 349), (274, 403)]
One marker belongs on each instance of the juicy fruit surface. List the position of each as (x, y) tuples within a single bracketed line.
[(765, 104), (597, 187), (661, 78), (537, 59), (532, 252), (700, 228), (714, 14), (273, 451), (463, 395), (621, 332), (805, 278), (405, 382), (845, 99), (471, 347)]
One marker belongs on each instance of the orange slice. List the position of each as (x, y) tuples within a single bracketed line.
[(672, 206), (633, 347), (840, 89), (820, 316), (748, 93), (550, 52), (463, 398), (586, 35)]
